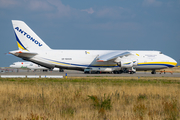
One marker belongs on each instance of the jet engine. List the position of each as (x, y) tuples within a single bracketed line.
[(128, 64), (125, 64), (135, 62)]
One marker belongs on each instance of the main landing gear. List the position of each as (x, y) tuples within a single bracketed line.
[(124, 71), (153, 72), (61, 70)]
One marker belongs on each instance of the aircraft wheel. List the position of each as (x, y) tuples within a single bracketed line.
[(61, 70), (115, 72), (131, 72), (98, 72), (153, 72), (120, 72), (44, 70)]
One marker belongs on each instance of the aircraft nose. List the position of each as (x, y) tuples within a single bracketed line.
[(174, 62)]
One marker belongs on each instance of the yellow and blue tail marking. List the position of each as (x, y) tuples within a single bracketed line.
[(20, 45)]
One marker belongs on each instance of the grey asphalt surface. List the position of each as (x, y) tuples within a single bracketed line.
[(73, 73)]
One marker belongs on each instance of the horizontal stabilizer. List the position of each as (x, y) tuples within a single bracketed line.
[(22, 53), (112, 56)]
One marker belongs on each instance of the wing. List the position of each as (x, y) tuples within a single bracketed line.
[(112, 56)]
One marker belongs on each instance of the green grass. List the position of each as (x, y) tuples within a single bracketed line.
[(93, 80), (97, 81)]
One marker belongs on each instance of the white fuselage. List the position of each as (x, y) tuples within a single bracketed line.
[(81, 59)]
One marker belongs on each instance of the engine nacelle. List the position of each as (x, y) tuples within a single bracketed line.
[(135, 62), (128, 64), (125, 64)]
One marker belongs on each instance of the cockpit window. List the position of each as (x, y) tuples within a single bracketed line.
[(160, 52), (31, 64)]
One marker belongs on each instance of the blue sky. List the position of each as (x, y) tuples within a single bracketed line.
[(94, 24)]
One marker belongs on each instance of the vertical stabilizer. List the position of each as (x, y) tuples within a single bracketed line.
[(26, 38)]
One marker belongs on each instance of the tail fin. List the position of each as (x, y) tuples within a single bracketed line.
[(26, 38)]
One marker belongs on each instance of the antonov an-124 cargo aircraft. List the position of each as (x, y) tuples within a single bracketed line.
[(33, 49)]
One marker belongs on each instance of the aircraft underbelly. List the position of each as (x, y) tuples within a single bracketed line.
[(150, 67)]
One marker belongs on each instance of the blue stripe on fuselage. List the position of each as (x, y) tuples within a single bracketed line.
[(168, 65)]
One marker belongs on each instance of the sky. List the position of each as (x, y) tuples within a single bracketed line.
[(94, 25)]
